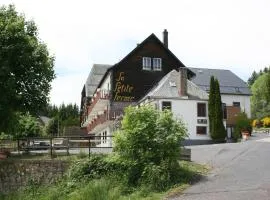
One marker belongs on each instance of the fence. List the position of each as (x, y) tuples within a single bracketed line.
[(57, 145), (54, 146)]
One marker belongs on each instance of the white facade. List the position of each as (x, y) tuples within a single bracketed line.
[(244, 101), (186, 110), (106, 85), (104, 138)]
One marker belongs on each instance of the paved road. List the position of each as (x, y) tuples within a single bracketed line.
[(240, 171)]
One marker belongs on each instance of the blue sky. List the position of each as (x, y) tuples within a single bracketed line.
[(225, 34)]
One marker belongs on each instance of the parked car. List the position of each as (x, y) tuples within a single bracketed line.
[(61, 144), (39, 145)]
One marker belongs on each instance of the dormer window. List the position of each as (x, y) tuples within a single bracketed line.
[(146, 63), (154, 64), (157, 64)]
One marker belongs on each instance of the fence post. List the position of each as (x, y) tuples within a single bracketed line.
[(51, 152), (18, 146), (89, 147), (68, 146)]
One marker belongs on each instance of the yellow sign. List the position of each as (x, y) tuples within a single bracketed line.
[(122, 90)]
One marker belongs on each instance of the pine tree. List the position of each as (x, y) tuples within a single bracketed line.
[(211, 102), (253, 78), (217, 129)]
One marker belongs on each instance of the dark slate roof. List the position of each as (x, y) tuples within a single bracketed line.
[(96, 74), (228, 81)]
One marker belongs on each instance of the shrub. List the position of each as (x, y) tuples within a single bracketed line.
[(242, 124), (266, 122), (256, 123), (149, 142), (95, 167)]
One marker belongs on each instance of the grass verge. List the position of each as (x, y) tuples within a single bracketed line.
[(107, 188)]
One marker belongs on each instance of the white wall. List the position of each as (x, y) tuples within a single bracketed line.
[(187, 111), (108, 140), (106, 85), (243, 99)]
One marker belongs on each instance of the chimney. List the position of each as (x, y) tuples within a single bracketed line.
[(165, 38), (183, 81)]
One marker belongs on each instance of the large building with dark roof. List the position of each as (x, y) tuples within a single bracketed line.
[(152, 71)]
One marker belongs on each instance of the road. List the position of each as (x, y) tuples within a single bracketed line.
[(240, 171)]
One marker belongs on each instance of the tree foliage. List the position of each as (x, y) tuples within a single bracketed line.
[(211, 102), (62, 116), (26, 67), (254, 76), (260, 99), (28, 126), (217, 129), (52, 127), (149, 140)]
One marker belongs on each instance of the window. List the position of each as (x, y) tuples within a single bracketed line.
[(146, 63), (224, 110), (201, 110), (104, 137), (166, 105), (201, 130), (236, 104), (157, 64)]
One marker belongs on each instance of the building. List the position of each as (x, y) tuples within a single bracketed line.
[(148, 69), (188, 99)]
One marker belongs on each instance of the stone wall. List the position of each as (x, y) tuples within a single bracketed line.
[(15, 174)]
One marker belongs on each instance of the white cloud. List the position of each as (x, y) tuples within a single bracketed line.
[(214, 34)]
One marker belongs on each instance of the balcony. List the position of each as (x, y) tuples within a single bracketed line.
[(100, 122), (97, 105)]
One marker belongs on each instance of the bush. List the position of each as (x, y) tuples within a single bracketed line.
[(95, 167), (149, 143), (266, 122), (242, 124), (256, 123)]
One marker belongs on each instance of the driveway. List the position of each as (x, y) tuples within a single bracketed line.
[(240, 171)]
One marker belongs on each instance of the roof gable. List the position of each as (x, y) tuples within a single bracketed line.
[(167, 88), (153, 37)]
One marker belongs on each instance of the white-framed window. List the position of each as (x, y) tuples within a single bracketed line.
[(146, 63), (104, 137), (157, 63)]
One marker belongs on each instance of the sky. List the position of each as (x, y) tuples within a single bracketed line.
[(218, 34)]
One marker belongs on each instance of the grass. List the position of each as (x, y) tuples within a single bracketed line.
[(107, 188)]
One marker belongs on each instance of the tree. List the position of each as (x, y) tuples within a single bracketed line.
[(253, 78), (28, 126), (52, 127), (260, 106), (26, 67), (217, 129), (149, 141), (211, 102), (62, 116)]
